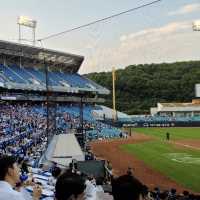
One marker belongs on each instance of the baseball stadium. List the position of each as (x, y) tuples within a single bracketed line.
[(70, 132)]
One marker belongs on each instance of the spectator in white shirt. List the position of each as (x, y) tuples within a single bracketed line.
[(9, 177), (90, 191)]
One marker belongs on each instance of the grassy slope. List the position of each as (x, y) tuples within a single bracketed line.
[(155, 153)]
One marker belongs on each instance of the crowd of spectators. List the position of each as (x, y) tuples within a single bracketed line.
[(71, 184), (23, 127), (68, 117), (22, 131)]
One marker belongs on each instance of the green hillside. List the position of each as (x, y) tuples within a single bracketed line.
[(139, 87)]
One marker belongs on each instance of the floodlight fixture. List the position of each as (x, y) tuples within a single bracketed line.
[(196, 25), (27, 22)]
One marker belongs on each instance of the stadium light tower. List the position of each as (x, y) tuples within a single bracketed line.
[(27, 22), (196, 25)]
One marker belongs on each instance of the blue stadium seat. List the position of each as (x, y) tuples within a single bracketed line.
[(11, 75)]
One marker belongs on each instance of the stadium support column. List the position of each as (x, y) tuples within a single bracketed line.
[(47, 99), (19, 33), (81, 120), (33, 36)]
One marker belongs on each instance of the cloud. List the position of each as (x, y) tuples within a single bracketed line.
[(156, 33), (168, 43), (190, 8), (123, 38)]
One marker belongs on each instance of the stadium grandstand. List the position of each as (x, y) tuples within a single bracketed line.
[(46, 109), (21, 69)]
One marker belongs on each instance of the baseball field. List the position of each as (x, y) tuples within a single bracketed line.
[(155, 160)]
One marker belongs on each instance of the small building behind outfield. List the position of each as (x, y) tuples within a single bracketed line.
[(191, 109)]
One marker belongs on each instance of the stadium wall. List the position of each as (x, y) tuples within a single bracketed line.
[(161, 124)]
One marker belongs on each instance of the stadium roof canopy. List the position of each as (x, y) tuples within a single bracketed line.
[(37, 54)]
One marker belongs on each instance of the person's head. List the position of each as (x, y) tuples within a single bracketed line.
[(9, 170), (56, 172), (70, 186), (173, 191), (20, 160), (99, 181), (185, 193), (54, 164), (163, 195), (127, 187), (71, 166), (129, 171)]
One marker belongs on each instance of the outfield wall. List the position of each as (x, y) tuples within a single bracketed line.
[(162, 124), (121, 124)]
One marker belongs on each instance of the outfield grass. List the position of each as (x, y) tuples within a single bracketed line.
[(175, 133), (181, 165)]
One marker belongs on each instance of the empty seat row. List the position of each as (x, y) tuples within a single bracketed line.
[(21, 75)]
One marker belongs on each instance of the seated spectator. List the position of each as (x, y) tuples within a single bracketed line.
[(127, 187), (99, 184), (23, 165), (70, 186), (90, 190), (109, 167), (99, 188), (172, 194), (9, 177), (156, 193), (163, 195), (56, 171), (185, 195)]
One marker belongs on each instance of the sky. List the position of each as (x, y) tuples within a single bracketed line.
[(155, 34)]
